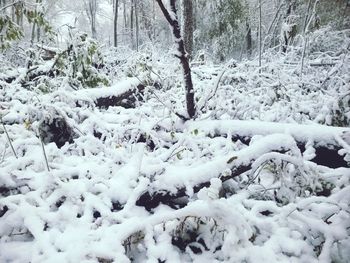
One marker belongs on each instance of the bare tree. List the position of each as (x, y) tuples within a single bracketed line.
[(171, 17)]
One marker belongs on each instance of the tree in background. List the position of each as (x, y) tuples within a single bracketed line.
[(218, 27), (115, 23), (12, 23), (91, 10)]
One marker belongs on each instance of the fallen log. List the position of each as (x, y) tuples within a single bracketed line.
[(324, 139), (124, 94), (195, 178), (325, 142)]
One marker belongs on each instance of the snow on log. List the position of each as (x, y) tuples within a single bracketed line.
[(325, 139), (124, 94), (319, 134), (177, 183)]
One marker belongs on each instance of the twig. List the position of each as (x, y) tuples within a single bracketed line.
[(173, 153), (182, 117), (215, 90), (44, 152), (3, 155), (8, 138)]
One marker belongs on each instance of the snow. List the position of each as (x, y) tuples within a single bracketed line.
[(114, 90), (320, 134), (282, 208)]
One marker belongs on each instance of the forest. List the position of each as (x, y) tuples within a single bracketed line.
[(174, 131)]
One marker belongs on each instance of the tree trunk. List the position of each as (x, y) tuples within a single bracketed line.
[(249, 40), (187, 25), (115, 23), (173, 22), (260, 37), (136, 25), (33, 33), (132, 23), (38, 33), (91, 10)]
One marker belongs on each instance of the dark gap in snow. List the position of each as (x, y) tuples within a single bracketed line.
[(75, 177), (266, 213), (175, 201), (143, 138), (329, 157), (195, 248), (324, 192), (57, 131), (97, 134), (116, 206), (326, 156), (60, 201), (4, 191), (243, 139), (198, 187), (189, 238), (3, 210), (96, 214)]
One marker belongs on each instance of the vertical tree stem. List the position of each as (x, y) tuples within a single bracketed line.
[(9, 139)]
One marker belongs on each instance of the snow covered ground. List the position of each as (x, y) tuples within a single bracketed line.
[(83, 206)]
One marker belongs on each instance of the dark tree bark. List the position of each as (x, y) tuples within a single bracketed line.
[(174, 23), (187, 25), (115, 23), (249, 40)]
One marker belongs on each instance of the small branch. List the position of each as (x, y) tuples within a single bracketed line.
[(215, 90), (8, 138), (182, 117), (9, 5), (44, 152)]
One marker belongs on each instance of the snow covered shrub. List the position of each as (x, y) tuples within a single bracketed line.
[(141, 65), (80, 62), (341, 112), (327, 42), (11, 25), (198, 234)]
